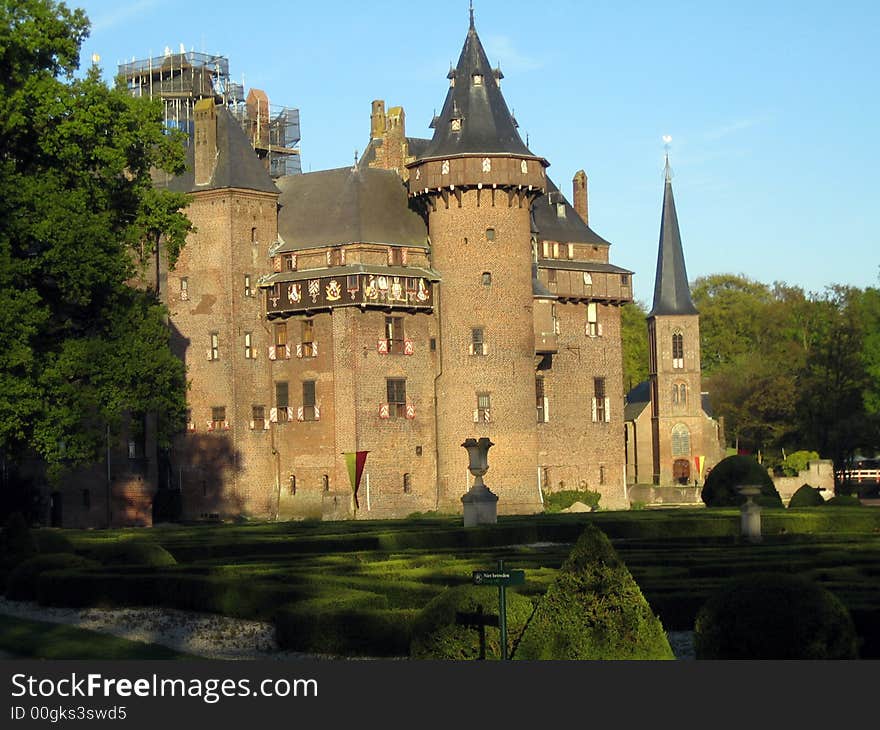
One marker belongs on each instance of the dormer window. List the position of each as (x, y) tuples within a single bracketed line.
[(456, 125), (560, 210), (478, 79), (487, 165), (524, 167), (444, 167)]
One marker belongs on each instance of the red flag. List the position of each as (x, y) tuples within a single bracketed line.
[(355, 461)]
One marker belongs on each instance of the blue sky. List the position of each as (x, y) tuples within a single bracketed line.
[(772, 107)]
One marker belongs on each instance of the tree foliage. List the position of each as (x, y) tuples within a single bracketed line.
[(634, 333), (78, 346)]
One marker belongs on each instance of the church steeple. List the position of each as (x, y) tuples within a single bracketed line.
[(672, 294), (475, 118)]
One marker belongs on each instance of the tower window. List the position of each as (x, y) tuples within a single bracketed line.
[(184, 288), (282, 400), (290, 262), (592, 320), (483, 414), (258, 417), (601, 404), (394, 334), (478, 79), (541, 401), (396, 389), (309, 402), (677, 350), (214, 351), (325, 482), (248, 346), (477, 343), (681, 440), (248, 289), (407, 483), (280, 334), (218, 417), (487, 278), (490, 234), (679, 393)]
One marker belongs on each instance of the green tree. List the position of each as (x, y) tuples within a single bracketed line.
[(634, 331), (79, 348)]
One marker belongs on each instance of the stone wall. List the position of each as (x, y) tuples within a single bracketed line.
[(818, 474)]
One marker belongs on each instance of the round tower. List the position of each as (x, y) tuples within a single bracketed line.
[(476, 181)]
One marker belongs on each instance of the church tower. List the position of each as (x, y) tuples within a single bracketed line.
[(475, 182), (677, 418)]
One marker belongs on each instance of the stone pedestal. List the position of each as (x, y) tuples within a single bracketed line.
[(480, 506)]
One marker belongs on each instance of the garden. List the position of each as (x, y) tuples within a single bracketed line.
[(597, 584)]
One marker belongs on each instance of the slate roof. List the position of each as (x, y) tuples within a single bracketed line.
[(487, 126), (570, 229), (637, 400), (237, 164), (347, 205), (568, 265), (672, 294)]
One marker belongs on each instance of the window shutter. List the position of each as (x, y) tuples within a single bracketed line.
[(299, 350), (300, 414), (599, 329), (410, 411), (266, 424), (276, 263), (595, 412), (487, 416), (317, 413), (403, 256), (384, 410), (191, 426), (289, 413), (571, 250), (546, 410), (485, 348), (471, 348), (287, 352), (273, 415), (382, 347), (225, 425), (607, 410), (408, 347), (271, 352), (314, 349), (209, 353), (476, 415), (555, 326), (210, 425)]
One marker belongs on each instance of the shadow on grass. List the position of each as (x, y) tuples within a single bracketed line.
[(23, 638)]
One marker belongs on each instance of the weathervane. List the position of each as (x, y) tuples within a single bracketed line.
[(667, 140)]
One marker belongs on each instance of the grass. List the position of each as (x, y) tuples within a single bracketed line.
[(24, 638)]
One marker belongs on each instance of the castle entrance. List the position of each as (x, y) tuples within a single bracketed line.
[(681, 471)]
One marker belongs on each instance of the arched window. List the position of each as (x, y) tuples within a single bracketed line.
[(679, 393), (677, 349), (681, 440)]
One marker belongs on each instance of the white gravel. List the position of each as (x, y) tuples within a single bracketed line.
[(202, 634)]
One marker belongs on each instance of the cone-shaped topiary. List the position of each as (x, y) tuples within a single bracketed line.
[(721, 483), (774, 616), (594, 610), (438, 635)]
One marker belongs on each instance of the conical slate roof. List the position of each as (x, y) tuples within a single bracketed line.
[(487, 126), (672, 294)]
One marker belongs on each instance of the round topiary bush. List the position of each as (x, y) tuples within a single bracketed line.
[(21, 585), (720, 487), (130, 552), (437, 634), (774, 616), (806, 496)]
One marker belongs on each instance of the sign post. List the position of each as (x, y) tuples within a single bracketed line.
[(501, 578)]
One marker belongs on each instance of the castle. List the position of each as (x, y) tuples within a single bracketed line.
[(436, 290)]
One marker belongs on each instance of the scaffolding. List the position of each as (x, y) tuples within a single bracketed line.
[(182, 79)]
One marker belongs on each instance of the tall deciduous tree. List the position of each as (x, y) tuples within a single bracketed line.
[(634, 331), (79, 348)]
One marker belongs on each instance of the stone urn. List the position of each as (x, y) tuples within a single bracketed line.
[(479, 502), (750, 512)]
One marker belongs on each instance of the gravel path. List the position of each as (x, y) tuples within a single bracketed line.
[(203, 634)]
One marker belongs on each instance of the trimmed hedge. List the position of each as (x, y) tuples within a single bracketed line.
[(594, 610), (21, 585), (558, 501), (844, 500), (806, 496), (50, 540), (355, 624), (437, 635), (719, 489), (130, 552), (16, 540), (774, 616)]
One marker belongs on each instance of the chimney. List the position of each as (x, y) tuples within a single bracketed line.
[(205, 141), (579, 195), (377, 120)]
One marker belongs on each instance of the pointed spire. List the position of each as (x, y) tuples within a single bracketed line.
[(485, 124), (672, 294), (472, 14)]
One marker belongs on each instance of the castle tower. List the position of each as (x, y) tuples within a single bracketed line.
[(476, 181), (677, 417)]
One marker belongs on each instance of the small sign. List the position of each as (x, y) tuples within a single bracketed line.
[(499, 577)]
